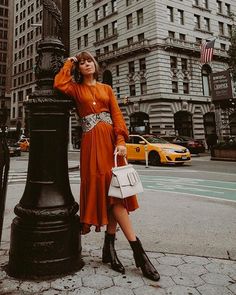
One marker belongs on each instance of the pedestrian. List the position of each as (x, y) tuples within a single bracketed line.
[(104, 130), (211, 140)]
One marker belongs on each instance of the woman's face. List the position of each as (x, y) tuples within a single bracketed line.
[(86, 67)]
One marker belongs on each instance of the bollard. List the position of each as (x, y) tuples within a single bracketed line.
[(4, 166), (146, 156)]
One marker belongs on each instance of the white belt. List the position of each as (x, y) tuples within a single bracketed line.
[(90, 121)]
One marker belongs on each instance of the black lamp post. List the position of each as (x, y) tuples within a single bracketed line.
[(45, 235)]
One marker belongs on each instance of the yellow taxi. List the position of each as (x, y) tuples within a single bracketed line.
[(157, 150)]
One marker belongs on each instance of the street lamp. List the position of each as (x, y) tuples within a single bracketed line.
[(45, 235)]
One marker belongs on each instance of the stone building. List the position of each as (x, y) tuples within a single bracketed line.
[(26, 33), (149, 51), (4, 23)]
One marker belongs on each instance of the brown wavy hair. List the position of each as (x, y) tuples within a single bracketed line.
[(85, 55)]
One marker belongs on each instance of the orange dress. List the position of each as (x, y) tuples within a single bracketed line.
[(97, 148)]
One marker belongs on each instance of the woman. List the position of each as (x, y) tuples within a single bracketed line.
[(104, 130)]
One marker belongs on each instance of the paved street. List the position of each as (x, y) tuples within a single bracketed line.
[(186, 223)]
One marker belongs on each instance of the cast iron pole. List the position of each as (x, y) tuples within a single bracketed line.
[(45, 235)]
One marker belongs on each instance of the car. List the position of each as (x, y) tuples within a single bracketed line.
[(14, 150), (157, 150), (193, 145), (24, 144)]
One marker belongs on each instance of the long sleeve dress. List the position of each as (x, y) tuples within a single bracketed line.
[(97, 148)]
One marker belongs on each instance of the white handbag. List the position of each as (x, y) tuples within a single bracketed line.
[(125, 181)]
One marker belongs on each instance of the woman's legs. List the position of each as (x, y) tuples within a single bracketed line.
[(140, 257), (108, 251), (122, 217)]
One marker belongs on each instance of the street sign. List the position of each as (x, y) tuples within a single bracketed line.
[(221, 87)]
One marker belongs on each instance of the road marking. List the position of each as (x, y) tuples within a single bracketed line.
[(208, 188), (214, 189)]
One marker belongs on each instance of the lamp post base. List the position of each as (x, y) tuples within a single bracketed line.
[(44, 249)]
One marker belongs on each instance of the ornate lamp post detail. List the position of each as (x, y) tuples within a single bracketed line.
[(45, 235)]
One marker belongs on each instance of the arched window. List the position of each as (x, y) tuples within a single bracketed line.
[(183, 123), (139, 123), (206, 87), (107, 77)]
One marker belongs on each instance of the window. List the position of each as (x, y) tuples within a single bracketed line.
[(114, 28), (131, 67), (132, 90), (114, 46), (106, 49), (182, 37), (174, 86), (140, 17), (197, 21), (170, 13), (205, 4), (184, 64), (206, 24), (86, 40), (173, 62), (141, 37), (129, 21), (181, 16), (113, 5), (221, 28), (118, 92), (186, 87), (97, 33), (105, 31), (97, 14), (78, 24), (228, 9), (85, 3), (229, 28), (171, 34), (222, 46), (105, 10), (130, 40), (196, 2), (117, 70), (219, 6), (128, 2), (85, 20), (199, 41), (142, 64), (143, 88)]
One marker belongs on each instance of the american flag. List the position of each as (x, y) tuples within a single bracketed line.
[(207, 51)]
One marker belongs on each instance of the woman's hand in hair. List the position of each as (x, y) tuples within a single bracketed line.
[(73, 59)]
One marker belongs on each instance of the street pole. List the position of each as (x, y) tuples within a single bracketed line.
[(218, 121), (45, 235), (4, 166)]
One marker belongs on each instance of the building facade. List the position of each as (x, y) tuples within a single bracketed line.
[(26, 33), (149, 52), (4, 23)]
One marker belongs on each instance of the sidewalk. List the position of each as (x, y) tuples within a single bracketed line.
[(181, 274)]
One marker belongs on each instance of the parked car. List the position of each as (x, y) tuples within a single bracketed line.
[(24, 144), (193, 145), (159, 150), (14, 150)]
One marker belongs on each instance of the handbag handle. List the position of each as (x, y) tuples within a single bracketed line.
[(115, 159)]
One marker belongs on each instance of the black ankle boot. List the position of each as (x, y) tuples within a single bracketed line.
[(109, 253), (141, 260)]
